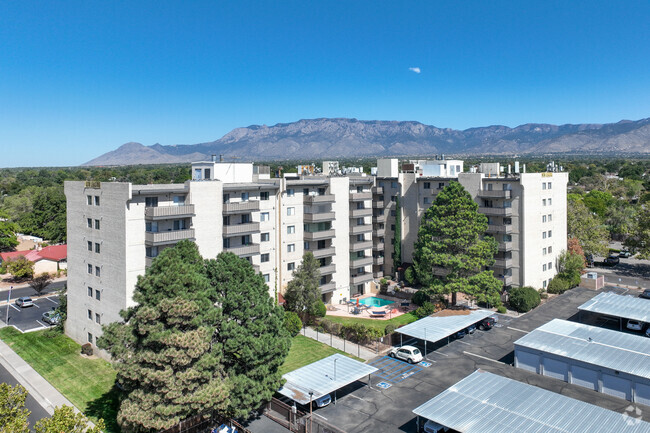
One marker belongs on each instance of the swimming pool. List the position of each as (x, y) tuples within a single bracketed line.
[(375, 302)]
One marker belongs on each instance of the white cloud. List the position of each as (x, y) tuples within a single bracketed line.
[(416, 70)]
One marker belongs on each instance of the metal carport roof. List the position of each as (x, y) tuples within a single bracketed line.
[(434, 329), (611, 304), (592, 345), (487, 403), (323, 377)]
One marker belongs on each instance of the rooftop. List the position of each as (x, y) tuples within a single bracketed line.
[(611, 304), (434, 329)]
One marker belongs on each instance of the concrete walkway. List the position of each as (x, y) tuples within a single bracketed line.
[(39, 388), (338, 343)]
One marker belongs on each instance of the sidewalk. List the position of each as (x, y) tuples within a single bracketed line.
[(338, 343), (39, 388)]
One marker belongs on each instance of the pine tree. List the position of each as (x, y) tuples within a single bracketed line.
[(451, 240), (165, 352), (303, 294), (250, 331)]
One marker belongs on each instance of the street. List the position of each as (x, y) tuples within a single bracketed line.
[(37, 411), (25, 290)]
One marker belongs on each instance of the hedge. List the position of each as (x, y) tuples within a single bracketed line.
[(524, 299)]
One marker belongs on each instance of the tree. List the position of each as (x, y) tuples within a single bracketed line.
[(292, 323), (250, 331), (639, 240), (48, 216), (13, 415), (66, 420), (598, 202), (166, 352), (451, 240), (585, 226), (8, 231), (620, 219), (40, 282), (302, 292), (573, 246), (19, 267), (524, 299), (397, 237)]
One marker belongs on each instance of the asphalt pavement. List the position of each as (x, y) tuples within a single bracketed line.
[(25, 290), (29, 318), (36, 410)]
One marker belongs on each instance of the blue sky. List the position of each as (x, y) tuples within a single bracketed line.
[(80, 78)]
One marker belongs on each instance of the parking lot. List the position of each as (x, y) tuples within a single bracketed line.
[(29, 318), (387, 407)]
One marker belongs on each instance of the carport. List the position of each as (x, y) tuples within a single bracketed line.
[(433, 329), (323, 377), (602, 360), (619, 307), (487, 403)]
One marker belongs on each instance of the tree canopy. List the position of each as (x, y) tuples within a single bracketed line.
[(303, 294), (586, 227), (451, 240), (8, 231), (639, 240)]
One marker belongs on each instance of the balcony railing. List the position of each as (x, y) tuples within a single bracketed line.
[(507, 279), (498, 211), (505, 246), (380, 232), (377, 189), (163, 212), (358, 229), (168, 237), (355, 213), (314, 199), (378, 204), (500, 228), (244, 250), (378, 260), (360, 245), (360, 196), (378, 246), (241, 207), (503, 263), (241, 229), (327, 269), (361, 261), (495, 193), (316, 236), (378, 274), (378, 218), (327, 287), (323, 252), (319, 217), (361, 278)]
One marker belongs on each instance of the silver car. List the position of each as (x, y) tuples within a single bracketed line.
[(51, 317), (24, 302)]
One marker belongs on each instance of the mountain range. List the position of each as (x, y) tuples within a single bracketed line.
[(346, 138)]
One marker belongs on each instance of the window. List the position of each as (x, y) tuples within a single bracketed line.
[(264, 216), (427, 185), (90, 269), (97, 224), (98, 319), (549, 201), (179, 200), (226, 198), (291, 266), (226, 220), (393, 198), (426, 200), (543, 202), (550, 186), (244, 196), (180, 224), (98, 295), (544, 284), (543, 235), (441, 185), (264, 237), (361, 238), (90, 223), (90, 292), (90, 315), (359, 189), (97, 248), (544, 267), (90, 246), (291, 248), (246, 240), (291, 230), (264, 258), (291, 211), (267, 278), (98, 272), (360, 221), (207, 173), (151, 201), (305, 245), (507, 204), (550, 250), (543, 185), (544, 251), (264, 195), (226, 243), (507, 238), (90, 337), (151, 226), (550, 217), (151, 251), (90, 200), (394, 185), (543, 218), (550, 233), (392, 227), (550, 265), (290, 192)]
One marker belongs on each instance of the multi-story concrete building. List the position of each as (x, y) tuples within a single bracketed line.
[(116, 229)]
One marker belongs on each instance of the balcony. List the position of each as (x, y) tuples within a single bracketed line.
[(505, 246), (356, 213), (316, 199), (378, 218), (323, 252), (361, 261), (497, 211), (164, 212), (327, 287), (500, 228), (378, 204), (317, 236), (358, 229), (168, 237), (507, 279), (327, 269), (244, 250), (241, 207), (319, 217), (380, 232), (377, 189), (378, 246), (241, 229), (503, 263), (360, 196), (495, 194), (360, 245), (378, 274), (361, 278), (378, 260)]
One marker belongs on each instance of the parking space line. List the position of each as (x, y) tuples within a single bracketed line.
[(36, 306), (483, 357), (515, 329), (464, 342), (54, 302), (14, 307), (43, 325)]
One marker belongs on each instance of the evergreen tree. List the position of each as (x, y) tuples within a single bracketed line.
[(451, 239), (7, 233), (250, 331), (302, 294), (166, 354)]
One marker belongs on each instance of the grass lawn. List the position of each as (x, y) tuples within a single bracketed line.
[(404, 319), (305, 350), (87, 383)]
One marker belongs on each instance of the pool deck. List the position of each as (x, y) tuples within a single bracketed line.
[(393, 310)]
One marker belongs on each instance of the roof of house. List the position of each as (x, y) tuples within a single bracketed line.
[(55, 253)]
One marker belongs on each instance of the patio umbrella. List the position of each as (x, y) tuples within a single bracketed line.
[(357, 302)]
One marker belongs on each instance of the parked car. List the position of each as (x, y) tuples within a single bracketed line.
[(589, 258), (434, 427), (322, 401), (51, 317), (634, 325), (470, 329), (645, 294), (409, 354), (625, 254), (24, 302), (612, 260), (647, 331), (486, 324), (460, 334)]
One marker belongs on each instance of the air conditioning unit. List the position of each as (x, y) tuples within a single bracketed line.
[(592, 275)]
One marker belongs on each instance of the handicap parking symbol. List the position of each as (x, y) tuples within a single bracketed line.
[(424, 364), (384, 385)]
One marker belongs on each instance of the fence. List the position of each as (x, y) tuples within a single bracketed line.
[(284, 415), (204, 424)]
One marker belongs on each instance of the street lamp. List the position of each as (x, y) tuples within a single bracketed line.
[(311, 408), (8, 299)]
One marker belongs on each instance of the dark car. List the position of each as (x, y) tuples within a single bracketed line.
[(24, 301), (470, 329), (486, 324), (460, 334), (612, 260), (589, 258), (645, 294)]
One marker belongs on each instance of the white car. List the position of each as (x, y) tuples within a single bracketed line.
[(409, 354), (434, 427), (634, 325)]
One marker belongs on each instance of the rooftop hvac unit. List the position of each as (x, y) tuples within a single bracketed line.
[(592, 275)]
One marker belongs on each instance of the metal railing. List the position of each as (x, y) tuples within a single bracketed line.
[(318, 217), (315, 236), (239, 229), (244, 250), (323, 252), (495, 193), (360, 196), (241, 206), (498, 211), (324, 198), (168, 237), (355, 213), (169, 211)]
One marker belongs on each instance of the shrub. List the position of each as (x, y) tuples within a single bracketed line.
[(420, 297), (319, 309), (389, 329), (360, 333), (425, 310), (87, 349), (410, 276), (501, 309), (292, 323), (524, 299), (558, 285)]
